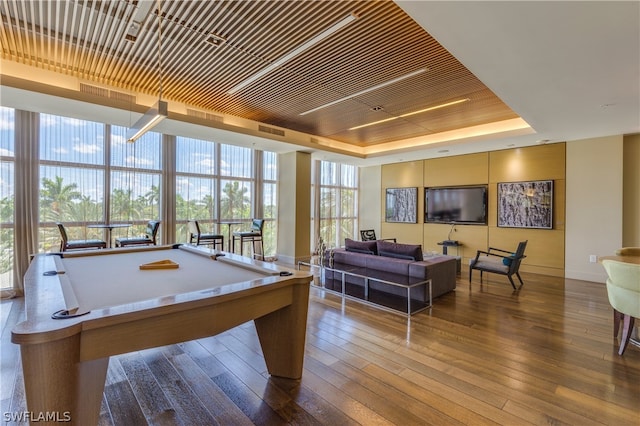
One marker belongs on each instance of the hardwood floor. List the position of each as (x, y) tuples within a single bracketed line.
[(482, 355)]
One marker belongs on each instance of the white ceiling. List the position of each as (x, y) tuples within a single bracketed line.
[(570, 69)]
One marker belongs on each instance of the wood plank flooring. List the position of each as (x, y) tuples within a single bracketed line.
[(482, 355)]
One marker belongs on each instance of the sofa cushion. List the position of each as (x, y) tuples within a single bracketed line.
[(347, 258), (366, 247), (389, 264), (399, 251)]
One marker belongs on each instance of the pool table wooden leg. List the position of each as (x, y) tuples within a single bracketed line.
[(59, 386), (282, 335)]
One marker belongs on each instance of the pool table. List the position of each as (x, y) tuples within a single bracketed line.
[(85, 306)]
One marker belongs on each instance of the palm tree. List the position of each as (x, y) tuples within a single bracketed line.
[(122, 205), (209, 205), (56, 198), (153, 196), (6, 209), (234, 201), (86, 210)]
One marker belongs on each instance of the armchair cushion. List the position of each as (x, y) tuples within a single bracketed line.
[(507, 260)]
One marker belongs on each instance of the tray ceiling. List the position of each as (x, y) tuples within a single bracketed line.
[(381, 66)]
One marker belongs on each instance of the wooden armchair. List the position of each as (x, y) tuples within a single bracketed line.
[(498, 261), (370, 235)]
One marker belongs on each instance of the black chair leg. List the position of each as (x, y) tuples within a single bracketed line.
[(511, 281), (627, 328), (520, 278)]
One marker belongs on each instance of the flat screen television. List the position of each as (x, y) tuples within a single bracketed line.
[(457, 204)]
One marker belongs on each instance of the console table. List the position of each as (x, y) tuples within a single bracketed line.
[(367, 286), (453, 243)]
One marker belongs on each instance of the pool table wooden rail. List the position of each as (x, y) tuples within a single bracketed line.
[(65, 361)]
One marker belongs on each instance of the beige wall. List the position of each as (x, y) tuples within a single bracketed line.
[(294, 207), (594, 204), (369, 201)]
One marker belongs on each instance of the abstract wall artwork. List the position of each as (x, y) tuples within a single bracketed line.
[(401, 205), (525, 204)]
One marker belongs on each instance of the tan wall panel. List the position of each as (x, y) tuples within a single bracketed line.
[(532, 163), (403, 175), (472, 238), (631, 192), (459, 170), (545, 248), (406, 233)]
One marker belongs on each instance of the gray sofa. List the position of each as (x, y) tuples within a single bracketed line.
[(392, 262)]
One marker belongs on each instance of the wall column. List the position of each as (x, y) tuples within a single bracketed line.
[(294, 207)]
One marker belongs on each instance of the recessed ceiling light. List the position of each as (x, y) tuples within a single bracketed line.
[(459, 101), (542, 141), (511, 145), (370, 89), (215, 40), (443, 151)]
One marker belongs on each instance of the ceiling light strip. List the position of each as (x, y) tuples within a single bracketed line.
[(370, 89), (459, 101), (153, 116), (295, 52)]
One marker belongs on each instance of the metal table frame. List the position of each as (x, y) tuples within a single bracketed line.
[(367, 279)]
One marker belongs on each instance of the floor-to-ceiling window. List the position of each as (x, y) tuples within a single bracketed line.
[(336, 203), (7, 195), (72, 167), (196, 185), (270, 201), (134, 185), (86, 173), (217, 184)]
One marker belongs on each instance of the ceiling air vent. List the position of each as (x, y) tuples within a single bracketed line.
[(94, 90), (271, 130), (205, 115), (106, 93), (120, 96)]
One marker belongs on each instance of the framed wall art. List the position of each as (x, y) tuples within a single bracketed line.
[(401, 205), (525, 204)]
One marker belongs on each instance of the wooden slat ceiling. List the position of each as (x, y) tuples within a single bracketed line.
[(87, 39)]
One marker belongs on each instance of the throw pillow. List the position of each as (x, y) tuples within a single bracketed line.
[(409, 251), (396, 255), (367, 247), (507, 260)]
